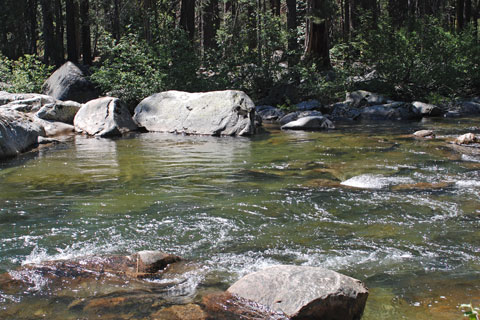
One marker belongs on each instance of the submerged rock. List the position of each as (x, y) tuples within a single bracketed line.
[(303, 292), (104, 117), (69, 82), (217, 113), (18, 133), (180, 312), (309, 123)]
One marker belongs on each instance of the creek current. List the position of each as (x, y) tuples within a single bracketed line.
[(366, 200)]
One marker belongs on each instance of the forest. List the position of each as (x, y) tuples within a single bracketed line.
[(277, 52)]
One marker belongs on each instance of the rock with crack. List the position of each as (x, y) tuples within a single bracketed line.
[(217, 113), (18, 133), (309, 123), (104, 117), (303, 292)]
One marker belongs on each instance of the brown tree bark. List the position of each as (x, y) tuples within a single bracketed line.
[(116, 20), (187, 17), (59, 33), (346, 20), (468, 11), (316, 38)]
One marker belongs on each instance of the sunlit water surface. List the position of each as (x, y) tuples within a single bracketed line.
[(366, 200)]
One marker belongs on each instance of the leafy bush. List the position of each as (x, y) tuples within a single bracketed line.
[(27, 74), (133, 69), (425, 62)]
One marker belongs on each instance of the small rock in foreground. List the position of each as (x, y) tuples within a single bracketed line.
[(303, 292), (467, 138), (424, 134)]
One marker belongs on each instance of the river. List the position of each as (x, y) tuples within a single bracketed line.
[(366, 200)]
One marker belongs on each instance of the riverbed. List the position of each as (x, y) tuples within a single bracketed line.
[(367, 200)]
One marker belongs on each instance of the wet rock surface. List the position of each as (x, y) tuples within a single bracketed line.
[(217, 113), (304, 292)]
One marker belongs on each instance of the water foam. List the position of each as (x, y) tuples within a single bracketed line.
[(371, 181)]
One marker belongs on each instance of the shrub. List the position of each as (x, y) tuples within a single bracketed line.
[(27, 74)]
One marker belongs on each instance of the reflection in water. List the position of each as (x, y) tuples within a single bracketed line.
[(402, 214)]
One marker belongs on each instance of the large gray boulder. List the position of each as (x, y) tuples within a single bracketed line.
[(104, 117), (341, 111), (303, 292), (309, 123), (70, 82), (17, 133), (62, 111), (391, 111), (427, 110), (54, 128), (361, 98), (225, 113), (463, 108)]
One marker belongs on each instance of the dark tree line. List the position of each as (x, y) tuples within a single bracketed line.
[(60, 30)]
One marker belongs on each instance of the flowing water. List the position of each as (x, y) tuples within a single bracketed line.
[(366, 200)]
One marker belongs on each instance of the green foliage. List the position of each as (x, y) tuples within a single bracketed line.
[(423, 62), (132, 69), (27, 74), (473, 313)]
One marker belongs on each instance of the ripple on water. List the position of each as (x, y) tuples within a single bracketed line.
[(373, 181)]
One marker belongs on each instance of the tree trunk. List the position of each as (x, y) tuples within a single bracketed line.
[(210, 23), (292, 25), (71, 32), (275, 6), (59, 32), (48, 35), (468, 11), (86, 38), (459, 7), (116, 20), (398, 11), (32, 26), (187, 17), (316, 38), (347, 22)]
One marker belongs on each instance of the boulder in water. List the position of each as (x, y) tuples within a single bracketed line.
[(424, 134), (391, 111), (61, 111), (309, 123), (361, 98), (269, 113), (104, 117), (217, 113), (427, 110), (18, 133), (467, 138), (303, 292)]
